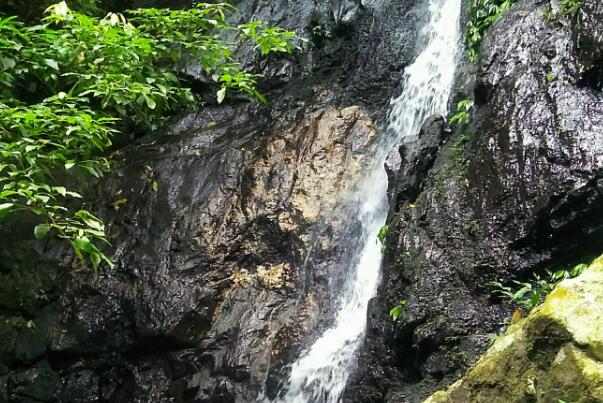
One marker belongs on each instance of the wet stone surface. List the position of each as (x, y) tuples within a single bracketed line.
[(231, 265), (524, 194)]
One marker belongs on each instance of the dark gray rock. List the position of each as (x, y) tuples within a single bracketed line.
[(231, 267), (522, 196), (36, 384)]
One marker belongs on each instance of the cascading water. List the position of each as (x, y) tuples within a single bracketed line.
[(320, 374)]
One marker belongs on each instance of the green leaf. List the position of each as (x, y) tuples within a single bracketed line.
[(221, 95), (579, 269), (52, 63), (522, 291), (95, 259), (395, 312), (7, 63), (90, 220), (534, 300), (155, 186), (92, 170), (60, 190), (74, 195), (150, 101), (43, 198), (40, 231), (5, 208), (4, 194)]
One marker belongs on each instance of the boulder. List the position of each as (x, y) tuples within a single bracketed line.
[(553, 355)]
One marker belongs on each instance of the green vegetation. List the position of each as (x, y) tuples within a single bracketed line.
[(462, 118), (29, 10), (482, 14), (463, 112), (461, 142), (567, 8), (398, 312), (382, 236), (71, 82), (555, 351), (528, 295), (570, 7)]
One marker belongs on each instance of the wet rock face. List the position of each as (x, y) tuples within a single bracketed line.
[(214, 261), (212, 288), (230, 232), (522, 195)]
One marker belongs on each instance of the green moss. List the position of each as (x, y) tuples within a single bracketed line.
[(556, 353)]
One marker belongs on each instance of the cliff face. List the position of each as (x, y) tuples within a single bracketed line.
[(227, 231), (525, 193), (230, 264)]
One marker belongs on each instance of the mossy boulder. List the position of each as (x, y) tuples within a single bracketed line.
[(555, 354)]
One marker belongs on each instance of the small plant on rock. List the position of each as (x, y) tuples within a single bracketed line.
[(571, 7), (381, 237), (462, 118), (397, 313), (482, 14), (528, 295), (463, 112)]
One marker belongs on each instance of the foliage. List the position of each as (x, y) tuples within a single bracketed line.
[(382, 235), (68, 84), (461, 141), (462, 118), (267, 39), (29, 10), (567, 8), (570, 7), (482, 14), (398, 312), (463, 112), (549, 15), (528, 295)]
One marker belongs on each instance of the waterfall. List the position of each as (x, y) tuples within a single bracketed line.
[(320, 374)]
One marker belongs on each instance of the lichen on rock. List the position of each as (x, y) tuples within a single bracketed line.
[(555, 354)]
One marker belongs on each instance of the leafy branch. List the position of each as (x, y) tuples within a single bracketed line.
[(482, 14), (68, 83)]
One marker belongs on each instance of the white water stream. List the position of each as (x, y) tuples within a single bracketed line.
[(320, 374)]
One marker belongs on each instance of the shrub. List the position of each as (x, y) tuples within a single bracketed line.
[(398, 312), (570, 7), (529, 295), (482, 14), (67, 81)]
